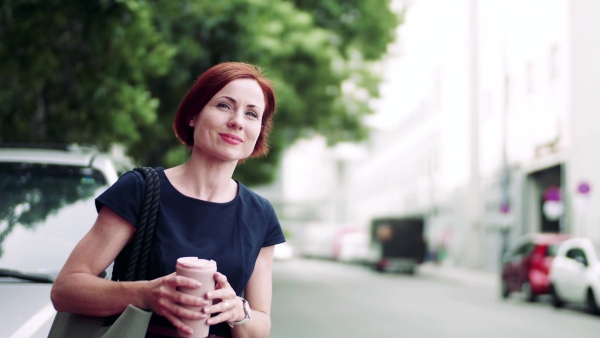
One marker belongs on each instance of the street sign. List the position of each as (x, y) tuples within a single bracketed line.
[(553, 206), (552, 193), (583, 188)]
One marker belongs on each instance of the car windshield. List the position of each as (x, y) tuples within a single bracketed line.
[(44, 211)]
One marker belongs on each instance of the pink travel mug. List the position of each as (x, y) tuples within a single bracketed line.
[(203, 271)]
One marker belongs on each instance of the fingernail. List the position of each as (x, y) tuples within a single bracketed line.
[(206, 310), (208, 294)]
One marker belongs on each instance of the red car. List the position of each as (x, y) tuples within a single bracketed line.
[(526, 267)]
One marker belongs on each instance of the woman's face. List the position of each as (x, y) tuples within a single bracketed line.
[(229, 125)]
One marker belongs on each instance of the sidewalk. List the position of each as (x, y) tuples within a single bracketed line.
[(473, 277)]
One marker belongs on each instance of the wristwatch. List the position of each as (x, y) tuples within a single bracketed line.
[(246, 309)]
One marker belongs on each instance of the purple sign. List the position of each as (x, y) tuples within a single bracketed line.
[(505, 207), (552, 193), (583, 188)]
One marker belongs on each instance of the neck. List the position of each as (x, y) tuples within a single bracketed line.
[(203, 180)]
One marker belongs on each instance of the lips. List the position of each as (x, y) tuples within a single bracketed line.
[(231, 139)]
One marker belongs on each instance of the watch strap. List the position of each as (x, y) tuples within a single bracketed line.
[(246, 310)]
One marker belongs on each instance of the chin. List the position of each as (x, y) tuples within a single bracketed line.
[(233, 158)]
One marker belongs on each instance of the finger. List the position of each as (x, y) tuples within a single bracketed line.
[(169, 307), (220, 318), (169, 292), (178, 323), (223, 289), (182, 282), (190, 300), (227, 305), (221, 294), (221, 279), (175, 281)]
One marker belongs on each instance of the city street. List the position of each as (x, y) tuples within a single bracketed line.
[(314, 298)]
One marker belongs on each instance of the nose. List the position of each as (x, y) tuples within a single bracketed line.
[(237, 120)]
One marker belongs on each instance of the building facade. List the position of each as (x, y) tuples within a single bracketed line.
[(492, 120)]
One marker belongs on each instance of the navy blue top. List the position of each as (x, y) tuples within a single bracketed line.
[(230, 233)]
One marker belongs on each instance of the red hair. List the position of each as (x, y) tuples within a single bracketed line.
[(210, 83)]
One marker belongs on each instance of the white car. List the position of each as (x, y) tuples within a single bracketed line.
[(46, 206), (575, 274)]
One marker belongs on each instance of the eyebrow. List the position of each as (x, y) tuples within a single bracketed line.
[(235, 101)]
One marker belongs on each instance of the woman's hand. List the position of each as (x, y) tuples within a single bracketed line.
[(229, 308), (165, 299)]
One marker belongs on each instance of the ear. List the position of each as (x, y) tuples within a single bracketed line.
[(192, 123)]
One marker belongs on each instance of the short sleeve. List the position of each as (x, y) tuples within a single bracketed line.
[(274, 233), (124, 197)]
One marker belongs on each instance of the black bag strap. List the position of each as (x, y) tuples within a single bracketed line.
[(132, 262)]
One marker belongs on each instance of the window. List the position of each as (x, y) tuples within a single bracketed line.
[(577, 255), (523, 250)]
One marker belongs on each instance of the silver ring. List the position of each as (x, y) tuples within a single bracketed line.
[(226, 305)]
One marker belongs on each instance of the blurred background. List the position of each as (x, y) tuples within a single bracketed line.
[(421, 136), (486, 130)]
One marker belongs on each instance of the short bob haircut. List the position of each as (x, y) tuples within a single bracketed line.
[(211, 82)]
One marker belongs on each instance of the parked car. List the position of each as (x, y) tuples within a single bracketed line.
[(526, 266), (575, 274), (46, 206)]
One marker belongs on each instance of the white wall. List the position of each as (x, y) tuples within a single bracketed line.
[(584, 107)]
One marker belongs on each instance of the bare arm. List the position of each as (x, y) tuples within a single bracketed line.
[(77, 288), (258, 292)]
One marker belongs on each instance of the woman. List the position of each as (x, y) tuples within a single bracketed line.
[(224, 119)]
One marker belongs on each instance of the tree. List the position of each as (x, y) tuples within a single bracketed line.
[(117, 72), (76, 71)]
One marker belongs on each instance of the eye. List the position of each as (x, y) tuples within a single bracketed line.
[(223, 105), (252, 114)]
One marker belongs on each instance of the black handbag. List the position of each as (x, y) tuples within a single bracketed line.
[(131, 264)]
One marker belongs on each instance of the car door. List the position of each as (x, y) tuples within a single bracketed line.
[(579, 280), (574, 268), (558, 272), (523, 263)]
